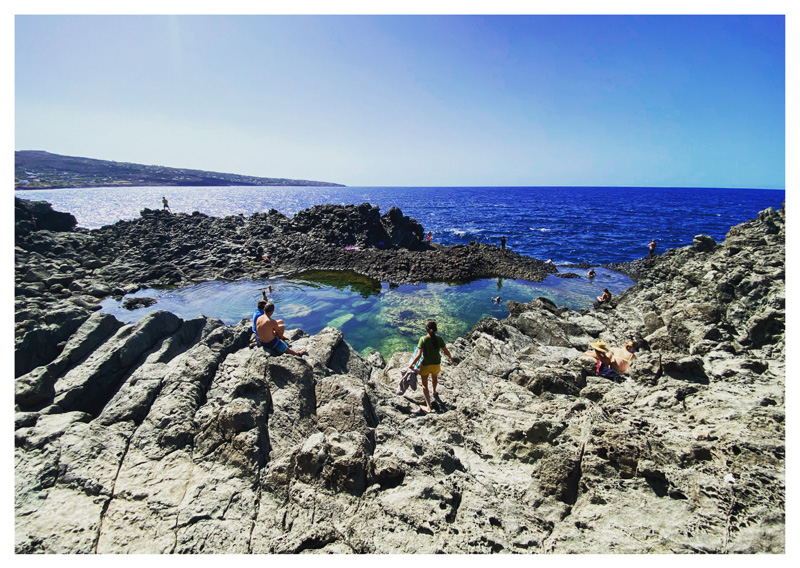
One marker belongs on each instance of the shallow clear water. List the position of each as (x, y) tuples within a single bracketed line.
[(371, 314), (598, 225)]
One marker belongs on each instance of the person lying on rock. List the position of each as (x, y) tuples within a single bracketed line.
[(604, 357), (270, 332), (429, 346), (622, 357)]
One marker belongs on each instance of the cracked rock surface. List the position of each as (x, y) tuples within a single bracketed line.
[(172, 436)]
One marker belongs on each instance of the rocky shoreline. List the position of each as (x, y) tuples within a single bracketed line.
[(75, 267), (171, 436)]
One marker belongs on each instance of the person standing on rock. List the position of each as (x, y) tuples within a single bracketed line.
[(165, 204), (652, 247), (270, 333), (503, 242), (429, 346)]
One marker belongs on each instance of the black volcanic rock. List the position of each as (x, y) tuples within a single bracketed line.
[(160, 248), (39, 216), (402, 231)]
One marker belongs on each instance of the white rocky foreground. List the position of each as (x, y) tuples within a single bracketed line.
[(172, 436)]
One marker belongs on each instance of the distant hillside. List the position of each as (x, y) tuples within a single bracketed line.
[(43, 170)]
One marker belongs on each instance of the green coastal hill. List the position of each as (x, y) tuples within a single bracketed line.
[(42, 170)]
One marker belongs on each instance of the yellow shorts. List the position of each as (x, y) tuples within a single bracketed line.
[(430, 370)]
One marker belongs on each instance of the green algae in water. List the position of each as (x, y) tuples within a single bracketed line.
[(370, 314)]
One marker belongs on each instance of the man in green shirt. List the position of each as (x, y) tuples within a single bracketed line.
[(429, 346)]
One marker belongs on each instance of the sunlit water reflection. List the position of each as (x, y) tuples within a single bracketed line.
[(370, 314)]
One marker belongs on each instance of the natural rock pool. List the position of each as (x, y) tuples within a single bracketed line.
[(370, 314)]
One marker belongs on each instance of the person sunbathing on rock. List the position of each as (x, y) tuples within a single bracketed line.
[(622, 357), (429, 346), (270, 332), (602, 354)]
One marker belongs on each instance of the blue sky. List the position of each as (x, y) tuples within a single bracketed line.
[(414, 100)]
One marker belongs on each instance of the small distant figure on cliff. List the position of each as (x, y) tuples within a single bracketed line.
[(549, 261), (602, 354), (591, 274), (429, 346), (652, 247), (606, 297), (270, 333), (622, 357), (503, 242), (430, 236), (165, 204)]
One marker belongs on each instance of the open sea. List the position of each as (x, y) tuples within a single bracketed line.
[(597, 225)]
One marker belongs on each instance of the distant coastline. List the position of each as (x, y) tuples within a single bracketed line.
[(35, 169)]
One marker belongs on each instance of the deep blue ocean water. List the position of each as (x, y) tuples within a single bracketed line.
[(598, 225)]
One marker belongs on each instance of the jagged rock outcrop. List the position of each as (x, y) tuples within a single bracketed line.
[(160, 249), (172, 436), (39, 216)]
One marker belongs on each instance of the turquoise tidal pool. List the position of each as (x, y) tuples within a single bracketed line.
[(370, 314)]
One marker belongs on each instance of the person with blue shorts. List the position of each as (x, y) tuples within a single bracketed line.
[(270, 333)]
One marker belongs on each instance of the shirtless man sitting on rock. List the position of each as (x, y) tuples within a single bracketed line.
[(270, 333)]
